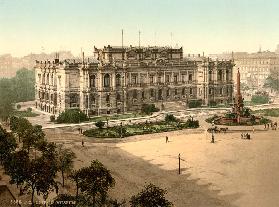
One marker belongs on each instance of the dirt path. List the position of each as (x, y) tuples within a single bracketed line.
[(132, 173)]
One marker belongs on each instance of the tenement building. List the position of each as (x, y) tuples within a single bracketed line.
[(256, 67), (122, 79)]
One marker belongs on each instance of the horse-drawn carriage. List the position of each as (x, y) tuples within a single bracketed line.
[(217, 129)]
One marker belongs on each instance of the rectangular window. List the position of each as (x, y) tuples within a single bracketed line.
[(167, 78), (134, 79), (175, 79), (190, 77), (151, 79)]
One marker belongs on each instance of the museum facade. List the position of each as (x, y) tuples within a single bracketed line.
[(122, 79)]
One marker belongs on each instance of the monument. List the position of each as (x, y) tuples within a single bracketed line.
[(238, 107), (239, 115)]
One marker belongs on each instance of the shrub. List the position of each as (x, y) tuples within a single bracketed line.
[(194, 103), (100, 124), (29, 110), (18, 106), (52, 118), (170, 118), (230, 115), (192, 123), (149, 109), (71, 116)]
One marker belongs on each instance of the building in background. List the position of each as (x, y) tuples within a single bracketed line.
[(256, 67), (122, 79)]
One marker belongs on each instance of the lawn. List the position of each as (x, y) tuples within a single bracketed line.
[(25, 113), (116, 117), (138, 129), (273, 112)]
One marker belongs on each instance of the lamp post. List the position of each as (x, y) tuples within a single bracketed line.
[(179, 169), (121, 130), (213, 128)]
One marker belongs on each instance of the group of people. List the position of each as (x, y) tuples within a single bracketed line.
[(272, 125), (245, 136)]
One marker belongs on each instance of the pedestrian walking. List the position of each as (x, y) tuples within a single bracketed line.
[(248, 136), (212, 138), (167, 139), (241, 135), (82, 143)]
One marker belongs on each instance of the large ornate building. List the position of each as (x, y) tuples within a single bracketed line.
[(122, 79)]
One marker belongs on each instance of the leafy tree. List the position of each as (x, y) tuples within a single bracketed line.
[(23, 85), (94, 182), (17, 167), (76, 176), (272, 82), (6, 99), (71, 116), (100, 124), (32, 136), (41, 177), (17, 89), (20, 126), (7, 144), (65, 160), (150, 196)]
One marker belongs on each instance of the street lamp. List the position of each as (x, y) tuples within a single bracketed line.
[(121, 130), (213, 128)]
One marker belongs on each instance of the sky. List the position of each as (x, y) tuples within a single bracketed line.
[(210, 26)]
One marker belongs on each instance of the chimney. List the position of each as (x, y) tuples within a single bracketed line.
[(56, 60), (82, 57)]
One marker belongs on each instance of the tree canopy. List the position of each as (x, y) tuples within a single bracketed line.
[(150, 196), (17, 89)]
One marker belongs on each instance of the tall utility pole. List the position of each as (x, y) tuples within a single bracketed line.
[(139, 38), (277, 82), (122, 38), (171, 39), (122, 45)]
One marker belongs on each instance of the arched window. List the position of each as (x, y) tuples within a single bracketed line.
[(118, 80), (118, 97), (210, 75), (47, 79), (160, 94), (183, 91), (220, 75), (152, 92), (107, 98), (135, 94), (168, 92), (52, 82), (92, 82), (107, 80)]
